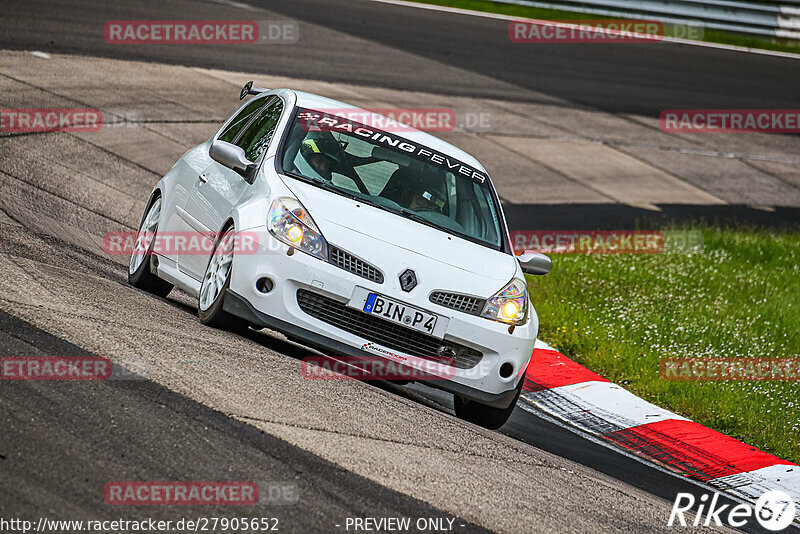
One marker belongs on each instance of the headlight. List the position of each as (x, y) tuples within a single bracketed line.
[(509, 305), (289, 221)]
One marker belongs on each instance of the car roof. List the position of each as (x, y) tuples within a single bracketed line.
[(321, 103)]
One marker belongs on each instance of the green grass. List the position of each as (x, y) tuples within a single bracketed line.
[(736, 296), (709, 35)]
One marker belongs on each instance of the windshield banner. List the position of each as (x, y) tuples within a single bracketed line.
[(316, 121)]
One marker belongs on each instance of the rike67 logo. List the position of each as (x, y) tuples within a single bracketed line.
[(774, 510)]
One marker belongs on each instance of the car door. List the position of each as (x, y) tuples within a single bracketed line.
[(218, 188), (186, 172)]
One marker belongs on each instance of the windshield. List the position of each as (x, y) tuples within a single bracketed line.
[(394, 174)]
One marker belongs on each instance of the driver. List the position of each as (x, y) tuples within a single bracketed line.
[(323, 152), (322, 164)]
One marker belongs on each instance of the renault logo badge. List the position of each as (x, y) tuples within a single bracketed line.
[(408, 280)]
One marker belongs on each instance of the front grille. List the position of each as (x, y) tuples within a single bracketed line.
[(383, 332), (348, 262), (463, 303)]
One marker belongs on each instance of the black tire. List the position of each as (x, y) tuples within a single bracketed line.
[(483, 415), (142, 277), (215, 316)]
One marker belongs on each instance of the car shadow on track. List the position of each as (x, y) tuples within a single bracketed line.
[(278, 342)]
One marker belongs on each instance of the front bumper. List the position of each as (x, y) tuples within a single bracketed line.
[(279, 309)]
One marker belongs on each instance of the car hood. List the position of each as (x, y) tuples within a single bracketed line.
[(393, 242)]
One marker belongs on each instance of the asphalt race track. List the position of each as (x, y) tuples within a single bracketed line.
[(406, 49), (213, 405)]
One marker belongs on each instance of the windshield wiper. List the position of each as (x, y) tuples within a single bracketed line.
[(409, 214)]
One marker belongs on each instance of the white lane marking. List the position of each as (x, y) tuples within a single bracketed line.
[(752, 484), (500, 16), (43, 55), (542, 345), (779, 476), (598, 407)]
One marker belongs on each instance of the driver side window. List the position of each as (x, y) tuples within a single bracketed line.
[(241, 120), (256, 137)]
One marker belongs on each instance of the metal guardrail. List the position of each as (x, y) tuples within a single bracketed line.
[(773, 20)]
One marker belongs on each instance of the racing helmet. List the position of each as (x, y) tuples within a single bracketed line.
[(322, 143)]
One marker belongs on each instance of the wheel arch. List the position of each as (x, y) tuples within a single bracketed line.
[(155, 194), (230, 221)]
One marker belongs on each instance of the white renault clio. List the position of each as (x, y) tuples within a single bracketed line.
[(368, 243)]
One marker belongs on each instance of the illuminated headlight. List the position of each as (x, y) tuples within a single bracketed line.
[(289, 221), (509, 305)]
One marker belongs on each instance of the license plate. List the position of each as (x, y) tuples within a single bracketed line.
[(399, 313)]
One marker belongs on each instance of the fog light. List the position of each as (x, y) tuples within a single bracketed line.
[(506, 370), (264, 285)]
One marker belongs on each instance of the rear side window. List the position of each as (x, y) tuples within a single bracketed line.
[(255, 139), (241, 120)]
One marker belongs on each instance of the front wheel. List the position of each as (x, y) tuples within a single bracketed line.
[(216, 281), (139, 274), (483, 415)]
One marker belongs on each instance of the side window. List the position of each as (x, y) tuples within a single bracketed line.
[(255, 139), (241, 119)]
